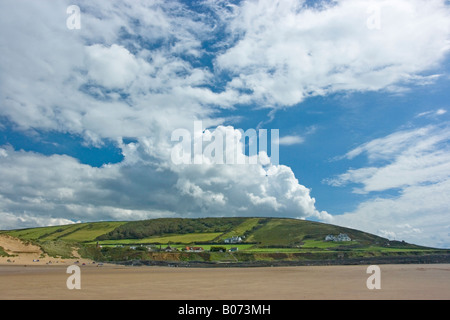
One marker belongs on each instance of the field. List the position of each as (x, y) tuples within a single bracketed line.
[(168, 239), (262, 239), (242, 228), (82, 232)]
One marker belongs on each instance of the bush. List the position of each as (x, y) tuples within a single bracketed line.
[(218, 249), (3, 253)]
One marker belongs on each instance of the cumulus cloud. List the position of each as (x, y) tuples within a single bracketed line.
[(113, 67), (59, 188), (85, 81)]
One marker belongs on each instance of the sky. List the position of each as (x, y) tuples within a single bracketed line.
[(90, 102)]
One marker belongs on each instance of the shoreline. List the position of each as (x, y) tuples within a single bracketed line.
[(392, 260), (425, 259)]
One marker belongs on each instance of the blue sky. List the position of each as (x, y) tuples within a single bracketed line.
[(357, 89)]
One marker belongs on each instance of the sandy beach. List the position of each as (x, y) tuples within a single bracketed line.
[(399, 282)]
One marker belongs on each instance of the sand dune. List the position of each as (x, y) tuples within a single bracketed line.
[(22, 253)]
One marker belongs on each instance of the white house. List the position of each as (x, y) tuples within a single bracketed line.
[(233, 240), (343, 237), (340, 237), (194, 249)]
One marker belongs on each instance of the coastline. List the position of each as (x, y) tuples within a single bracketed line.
[(425, 259)]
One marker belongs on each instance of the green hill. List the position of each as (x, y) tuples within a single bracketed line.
[(261, 239)]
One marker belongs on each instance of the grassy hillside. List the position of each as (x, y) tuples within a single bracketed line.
[(243, 229), (82, 232), (290, 232), (160, 227), (263, 239), (261, 232)]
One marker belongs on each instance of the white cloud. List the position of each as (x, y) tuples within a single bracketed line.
[(243, 189), (286, 51), (432, 113), (146, 184), (60, 79), (416, 163), (414, 157), (420, 215), (59, 188), (388, 147), (85, 81), (291, 140), (113, 67), (24, 220)]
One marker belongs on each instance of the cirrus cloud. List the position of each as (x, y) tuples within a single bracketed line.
[(416, 164)]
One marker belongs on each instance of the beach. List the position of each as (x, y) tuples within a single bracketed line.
[(399, 282)]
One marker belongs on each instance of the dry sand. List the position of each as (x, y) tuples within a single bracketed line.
[(400, 282)]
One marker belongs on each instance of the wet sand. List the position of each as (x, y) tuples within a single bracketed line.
[(399, 282)]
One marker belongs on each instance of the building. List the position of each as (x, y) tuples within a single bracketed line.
[(233, 240), (194, 249), (343, 237), (340, 237), (170, 249)]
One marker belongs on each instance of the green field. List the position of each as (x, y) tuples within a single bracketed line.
[(274, 250), (241, 229), (176, 238), (207, 247), (81, 232), (320, 244)]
